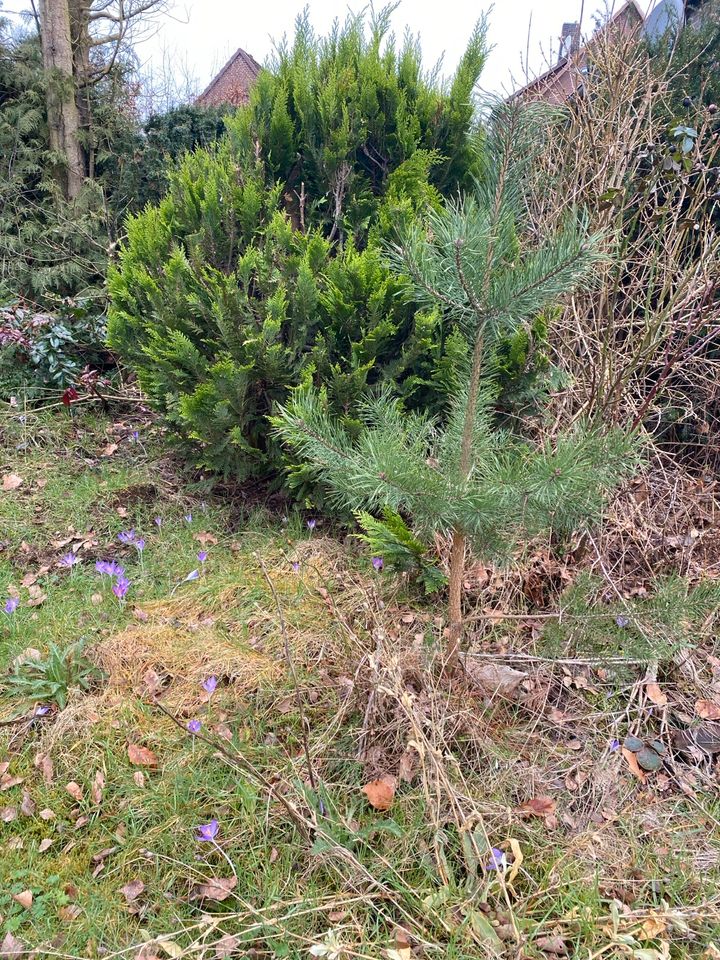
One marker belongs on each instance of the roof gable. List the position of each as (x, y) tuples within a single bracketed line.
[(557, 83), (232, 85)]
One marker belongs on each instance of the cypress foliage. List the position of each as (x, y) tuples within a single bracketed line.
[(262, 267)]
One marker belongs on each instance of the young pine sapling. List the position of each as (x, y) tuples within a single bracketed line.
[(486, 487)]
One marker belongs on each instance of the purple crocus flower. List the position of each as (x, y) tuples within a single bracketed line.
[(188, 518), (311, 524), (69, 560), (127, 536), (158, 522), (296, 566), (140, 544), (110, 568), (210, 685), (614, 745), (498, 860), (194, 726), (12, 604), (378, 563), (121, 587), (622, 622), (193, 575), (202, 556), (135, 435), (42, 711), (208, 831)]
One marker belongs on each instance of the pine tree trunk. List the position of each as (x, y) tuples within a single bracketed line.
[(455, 588), (62, 111), (457, 552)]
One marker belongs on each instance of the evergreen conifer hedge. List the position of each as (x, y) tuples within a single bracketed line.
[(262, 270)]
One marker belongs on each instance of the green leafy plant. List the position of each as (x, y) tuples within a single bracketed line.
[(401, 551), (51, 680), (47, 352), (488, 488)]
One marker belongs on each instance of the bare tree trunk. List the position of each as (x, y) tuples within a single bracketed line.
[(62, 111)]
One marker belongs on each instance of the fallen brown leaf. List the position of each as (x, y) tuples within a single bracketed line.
[(226, 946), (537, 807), (653, 926), (109, 450), (139, 778), (708, 709), (45, 845), (7, 782), (25, 899), (205, 538), (554, 945), (656, 695), (216, 889), (11, 947), (97, 787), (47, 814), (75, 790), (11, 481), (381, 792), (103, 854), (223, 730), (635, 768), (131, 891), (408, 765), (27, 807), (44, 763), (30, 653), (8, 814), (148, 951), (496, 679), (141, 756), (69, 913)]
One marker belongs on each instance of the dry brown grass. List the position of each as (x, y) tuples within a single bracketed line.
[(642, 339)]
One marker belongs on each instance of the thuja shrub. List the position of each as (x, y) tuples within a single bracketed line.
[(262, 268)]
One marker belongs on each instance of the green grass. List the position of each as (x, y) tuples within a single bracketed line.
[(616, 850)]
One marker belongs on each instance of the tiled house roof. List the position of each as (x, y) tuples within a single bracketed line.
[(232, 85), (560, 82)]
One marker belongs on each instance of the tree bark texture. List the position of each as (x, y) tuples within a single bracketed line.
[(62, 112)]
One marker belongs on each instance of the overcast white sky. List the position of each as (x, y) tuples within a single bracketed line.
[(200, 35), (206, 32)]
